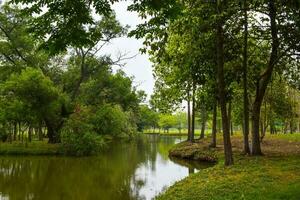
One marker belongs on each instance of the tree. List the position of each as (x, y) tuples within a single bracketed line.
[(42, 98), (147, 119), (166, 121)]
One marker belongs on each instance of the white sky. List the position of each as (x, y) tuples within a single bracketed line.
[(139, 66)]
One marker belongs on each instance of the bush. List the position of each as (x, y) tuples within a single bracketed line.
[(81, 144), (112, 120), (78, 137)]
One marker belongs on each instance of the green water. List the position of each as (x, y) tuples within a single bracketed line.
[(132, 170)]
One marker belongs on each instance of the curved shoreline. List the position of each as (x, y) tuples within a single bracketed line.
[(271, 177)]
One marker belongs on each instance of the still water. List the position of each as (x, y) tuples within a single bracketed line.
[(134, 170)]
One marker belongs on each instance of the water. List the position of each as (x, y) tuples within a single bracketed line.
[(132, 170)]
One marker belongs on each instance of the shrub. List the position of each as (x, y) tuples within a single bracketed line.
[(112, 120), (81, 144), (78, 137)]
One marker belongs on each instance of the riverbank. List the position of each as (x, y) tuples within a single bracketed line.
[(276, 175), (30, 148), (43, 148), (175, 132)]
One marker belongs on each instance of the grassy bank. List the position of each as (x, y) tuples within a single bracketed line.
[(30, 148), (274, 176), (175, 132)]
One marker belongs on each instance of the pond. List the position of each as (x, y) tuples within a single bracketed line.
[(133, 170)]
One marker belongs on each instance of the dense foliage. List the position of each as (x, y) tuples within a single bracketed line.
[(69, 95)]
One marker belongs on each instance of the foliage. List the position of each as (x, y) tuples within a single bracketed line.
[(78, 137), (48, 75), (112, 120), (166, 121), (147, 119)]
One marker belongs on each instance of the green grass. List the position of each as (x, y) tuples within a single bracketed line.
[(275, 176), (31, 148), (290, 137), (176, 132)]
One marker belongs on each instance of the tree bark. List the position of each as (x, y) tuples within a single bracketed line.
[(221, 87), (229, 118), (29, 133), (246, 148), (193, 114), (264, 80), (189, 118), (213, 143), (40, 131), (15, 131), (52, 132), (203, 121)]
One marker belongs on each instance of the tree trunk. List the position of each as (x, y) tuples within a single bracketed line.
[(262, 130), (15, 131), (245, 82), (193, 114), (40, 132), (19, 131), (203, 121), (29, 133), (52, 132), (221, 87), (213, 143), (263, 81), (291, 126), (191, 170), (189, 118), (229, 118)]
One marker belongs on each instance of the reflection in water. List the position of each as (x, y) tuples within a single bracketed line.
[(135, 170)]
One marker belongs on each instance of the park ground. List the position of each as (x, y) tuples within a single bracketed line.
[(175, 132), (274, 176)]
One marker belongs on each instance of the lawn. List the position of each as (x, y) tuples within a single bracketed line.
[(274, 176)]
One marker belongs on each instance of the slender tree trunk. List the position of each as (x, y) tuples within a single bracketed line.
[(40, 132), (15, 131), (245, 82), (10, 137), (203, 121), (193, 113), (264, 80), (29, 133), (213, 143), (19, 132), (229, 118), (221, 87), (189, 118), (22, 136)]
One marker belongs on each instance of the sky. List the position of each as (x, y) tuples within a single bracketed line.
[(139, 67)]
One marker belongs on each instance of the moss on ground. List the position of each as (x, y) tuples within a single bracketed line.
[(274, 176), (194, 151)]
